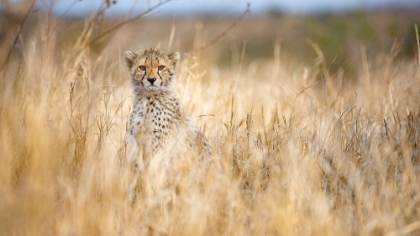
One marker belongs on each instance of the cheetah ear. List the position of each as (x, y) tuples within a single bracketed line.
[(174, 57), (129, 58)]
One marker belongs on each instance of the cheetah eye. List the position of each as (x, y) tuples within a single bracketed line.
[(161, 67), (143, 68)]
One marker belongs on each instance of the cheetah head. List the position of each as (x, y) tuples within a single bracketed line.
[(152, 69)]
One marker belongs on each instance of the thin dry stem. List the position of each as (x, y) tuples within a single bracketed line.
[(19, 31), (125, 22), (232, 26)]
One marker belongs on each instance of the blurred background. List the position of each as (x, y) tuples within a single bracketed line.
[(220, 7), (339, 28)]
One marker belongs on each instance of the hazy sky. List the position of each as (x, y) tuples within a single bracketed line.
[(180, 7)]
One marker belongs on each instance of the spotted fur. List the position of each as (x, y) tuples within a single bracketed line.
[(157, 123)]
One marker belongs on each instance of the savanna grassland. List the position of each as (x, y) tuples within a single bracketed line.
[(314, 123)]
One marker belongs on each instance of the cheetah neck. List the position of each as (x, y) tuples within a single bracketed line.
[(141, 89), (141, 93)]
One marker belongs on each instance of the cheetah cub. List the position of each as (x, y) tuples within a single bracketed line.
[(157, 124)]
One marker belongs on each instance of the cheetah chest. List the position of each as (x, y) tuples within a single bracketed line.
[(154, 119)]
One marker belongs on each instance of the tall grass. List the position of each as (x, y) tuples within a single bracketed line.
[(306, 153)]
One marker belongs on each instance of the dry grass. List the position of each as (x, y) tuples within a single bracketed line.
[(305, 153)]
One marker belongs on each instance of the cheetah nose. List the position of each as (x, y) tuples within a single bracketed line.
[(151, 80)]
